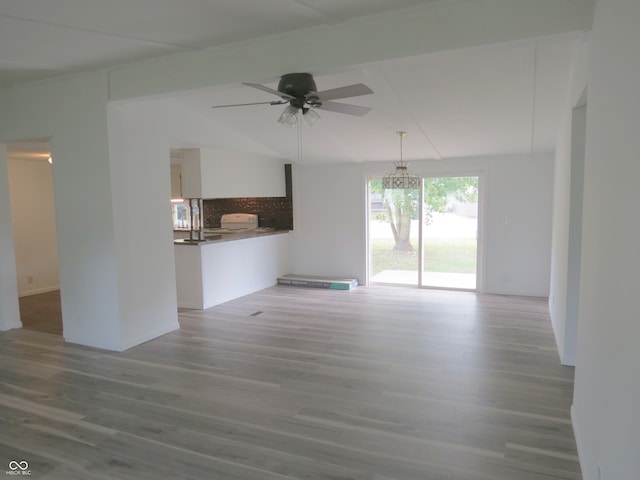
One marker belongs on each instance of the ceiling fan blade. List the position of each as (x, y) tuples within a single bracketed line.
[(356, 110), (355, 90), (282, 102), (269, 90)]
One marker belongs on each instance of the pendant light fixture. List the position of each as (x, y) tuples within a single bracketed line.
[(401, 177)]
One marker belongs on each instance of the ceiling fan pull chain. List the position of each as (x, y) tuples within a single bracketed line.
[(299, 137)]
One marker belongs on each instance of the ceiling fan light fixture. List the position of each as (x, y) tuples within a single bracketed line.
[(300, 92), (401, 177), (289, 117)]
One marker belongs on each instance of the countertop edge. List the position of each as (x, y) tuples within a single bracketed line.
[(227, 237)]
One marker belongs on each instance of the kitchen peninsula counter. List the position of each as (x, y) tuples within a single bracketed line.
[(228, 237), (230, 265)]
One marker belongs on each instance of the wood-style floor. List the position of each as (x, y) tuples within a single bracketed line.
[(375, 383), (42, 312)]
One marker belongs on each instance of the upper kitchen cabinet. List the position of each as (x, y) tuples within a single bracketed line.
[(176, 173), (214, 173), (190, 166), (176, 181)]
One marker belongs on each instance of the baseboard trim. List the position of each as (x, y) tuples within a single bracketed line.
[(121, 347), (148, 336), (11, 326)]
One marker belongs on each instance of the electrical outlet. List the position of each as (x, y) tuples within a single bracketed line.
[(29, 279)]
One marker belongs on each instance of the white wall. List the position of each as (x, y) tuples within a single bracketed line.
[(72, 112), (141, 189), (213, 273), (578, 144), (141, 135), (9, 307), (112, 192), (33, 214), (330, 217), (567, 213), (607, 384), (329, 220), (518, 252)]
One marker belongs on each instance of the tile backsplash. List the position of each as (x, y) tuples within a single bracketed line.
[(275, 212)]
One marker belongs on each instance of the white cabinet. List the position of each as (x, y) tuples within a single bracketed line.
[(214, 173), (176, 181), (191, 176)]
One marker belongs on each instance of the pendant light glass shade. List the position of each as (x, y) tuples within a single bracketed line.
[(289, 117), (401, 177), (310, 116)]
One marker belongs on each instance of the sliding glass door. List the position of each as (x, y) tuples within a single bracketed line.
[(450, 232), (425, 237), (394, 243)]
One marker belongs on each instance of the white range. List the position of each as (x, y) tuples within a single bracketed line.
[(235, 223)]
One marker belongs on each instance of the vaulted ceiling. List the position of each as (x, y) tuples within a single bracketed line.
[(500, 98), (44, 38)]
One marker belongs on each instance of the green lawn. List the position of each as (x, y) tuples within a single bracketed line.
[(454, 255)]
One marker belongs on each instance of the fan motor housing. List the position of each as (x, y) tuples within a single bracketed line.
[(297, 84)]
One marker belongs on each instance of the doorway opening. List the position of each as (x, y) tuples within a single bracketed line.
[(33, 218), (426, 237)]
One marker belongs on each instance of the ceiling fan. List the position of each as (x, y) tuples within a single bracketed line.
[(300, 92)]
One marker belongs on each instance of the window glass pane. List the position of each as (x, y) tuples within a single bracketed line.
[(180, 215), (393, 234), (450, 227)]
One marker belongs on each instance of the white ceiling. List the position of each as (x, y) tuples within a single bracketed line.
[(499, 99), (44, 38), (494, 100)]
